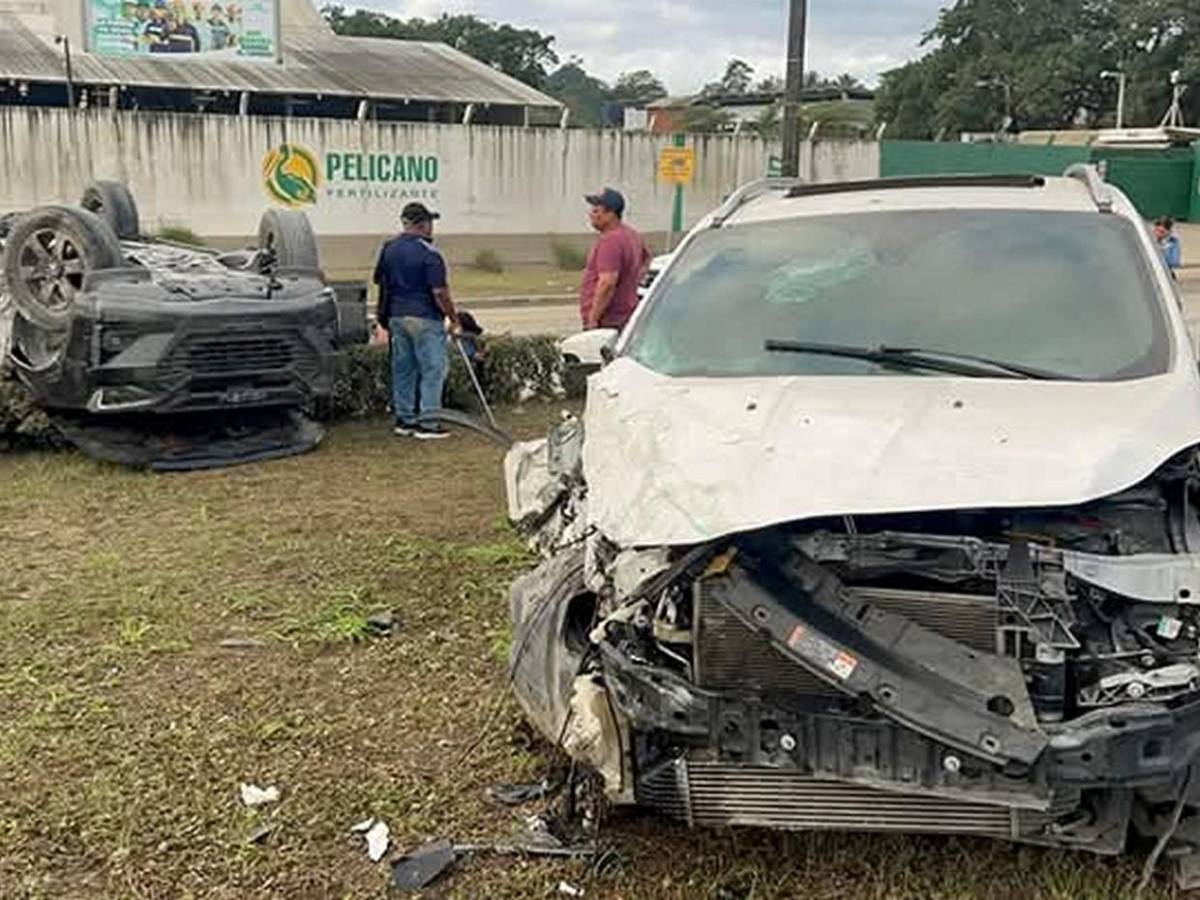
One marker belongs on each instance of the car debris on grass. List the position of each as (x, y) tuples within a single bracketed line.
[(254, 796)]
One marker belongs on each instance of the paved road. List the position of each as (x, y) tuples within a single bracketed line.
[(555, 318)]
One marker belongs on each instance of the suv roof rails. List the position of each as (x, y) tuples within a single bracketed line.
[(748, 192), (1090, 176), (918, 181)]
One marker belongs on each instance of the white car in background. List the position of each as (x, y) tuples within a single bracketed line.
[(584, 350)]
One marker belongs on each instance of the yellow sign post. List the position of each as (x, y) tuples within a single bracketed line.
[(677, 164)]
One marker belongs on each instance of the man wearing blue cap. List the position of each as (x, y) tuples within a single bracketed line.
[(414, 305), (615, 266)]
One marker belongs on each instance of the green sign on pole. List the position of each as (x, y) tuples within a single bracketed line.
[(677, 212)]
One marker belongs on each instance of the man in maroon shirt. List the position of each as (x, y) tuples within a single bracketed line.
[(615, 266)]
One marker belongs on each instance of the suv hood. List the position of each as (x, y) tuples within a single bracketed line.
[(672, 461)]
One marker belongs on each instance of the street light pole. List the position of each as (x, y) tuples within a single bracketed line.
[(66, 45), (797, 26), (1120, 78)]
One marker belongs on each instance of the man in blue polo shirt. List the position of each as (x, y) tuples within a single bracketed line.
[(414, 304)]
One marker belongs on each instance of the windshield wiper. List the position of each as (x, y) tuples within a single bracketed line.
[(921, 358)]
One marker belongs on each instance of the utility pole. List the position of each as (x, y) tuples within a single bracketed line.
[(66, 45), (1120, 77), (797, 25)]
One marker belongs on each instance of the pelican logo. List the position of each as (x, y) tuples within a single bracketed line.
[(291, 175)]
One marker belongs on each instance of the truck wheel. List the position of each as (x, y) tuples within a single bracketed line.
[(289, 236), (113, 202), (48, 254)]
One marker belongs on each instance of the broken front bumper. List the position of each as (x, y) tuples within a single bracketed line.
[(792, 702)]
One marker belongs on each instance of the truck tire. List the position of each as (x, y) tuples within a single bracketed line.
[(113, 202), (48, 254), (288, 234)]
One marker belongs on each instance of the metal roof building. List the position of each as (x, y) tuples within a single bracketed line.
[(319, 73)]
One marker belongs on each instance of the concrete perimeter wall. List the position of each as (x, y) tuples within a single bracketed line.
[(510, 190)]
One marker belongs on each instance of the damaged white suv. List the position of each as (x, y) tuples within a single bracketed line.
[(887, 518)]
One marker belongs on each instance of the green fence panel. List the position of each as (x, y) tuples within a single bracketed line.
[(1159, 182), (1194, 187), (944, 158)]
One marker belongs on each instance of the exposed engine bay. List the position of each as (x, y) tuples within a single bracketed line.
[(1029, 674)]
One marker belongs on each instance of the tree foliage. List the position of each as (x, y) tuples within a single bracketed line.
[(1049, 54), (523, 53), (738, 77), (584, 94), (638, 88)]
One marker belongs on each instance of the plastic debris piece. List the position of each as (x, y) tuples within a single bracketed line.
[(253, 795), (241, 644), (537, 835), (569, 890), (518, 794), (379, 838), (422, 867), (383, 624), (362, 827), (260, 834)]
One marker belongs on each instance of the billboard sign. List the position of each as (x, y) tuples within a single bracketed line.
[(231, 30)]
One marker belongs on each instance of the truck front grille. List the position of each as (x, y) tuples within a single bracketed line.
[(229, 354)]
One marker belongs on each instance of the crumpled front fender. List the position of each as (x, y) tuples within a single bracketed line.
[(546, 653)]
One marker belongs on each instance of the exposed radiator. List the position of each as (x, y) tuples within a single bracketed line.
[(714, 794), (732, 656)]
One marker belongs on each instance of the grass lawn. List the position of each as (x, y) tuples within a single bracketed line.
[(514, 281), (128, 726)]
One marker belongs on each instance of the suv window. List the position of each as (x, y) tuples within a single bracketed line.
[(1070, 293)]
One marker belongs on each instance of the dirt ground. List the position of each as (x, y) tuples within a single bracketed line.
[(128, 726)]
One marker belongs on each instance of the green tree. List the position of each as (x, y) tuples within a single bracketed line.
[(638, 88), (738, 77), (705, 119), (1158, 37), (584, 94), (523, 53), (1050, 54)]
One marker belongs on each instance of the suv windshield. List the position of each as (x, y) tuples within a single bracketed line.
[(1059, 292)]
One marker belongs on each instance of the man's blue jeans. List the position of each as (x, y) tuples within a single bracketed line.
[(418, 359)]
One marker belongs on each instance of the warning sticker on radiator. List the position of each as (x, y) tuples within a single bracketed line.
[(843, 665), (820, 652)]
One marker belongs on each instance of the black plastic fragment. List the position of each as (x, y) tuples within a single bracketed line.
[(422, 867)]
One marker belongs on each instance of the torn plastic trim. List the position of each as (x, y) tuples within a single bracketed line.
[(1150, 578), (539, 474)]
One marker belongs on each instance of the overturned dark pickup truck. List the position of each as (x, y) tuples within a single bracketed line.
[(147, 351), (885, 516)]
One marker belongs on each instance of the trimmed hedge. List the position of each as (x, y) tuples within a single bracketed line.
[(517, 369)]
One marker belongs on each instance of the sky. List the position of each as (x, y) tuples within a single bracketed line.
[(688, 43)]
